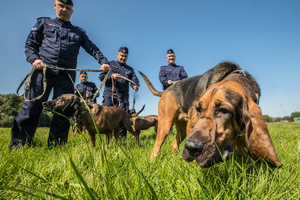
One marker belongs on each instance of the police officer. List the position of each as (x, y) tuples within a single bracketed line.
[(118, 94), (54, 42), (172, 72), (85, 88)]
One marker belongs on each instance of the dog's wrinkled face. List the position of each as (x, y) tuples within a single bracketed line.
[(216, 125), (66, 104)]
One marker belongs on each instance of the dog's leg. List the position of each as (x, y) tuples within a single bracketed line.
[(162, 132), (155, 127), (180, 136), (168, 110), (92, 138), (74, 129), (127, 125), (116, 133), (108, 137), (137, 132)]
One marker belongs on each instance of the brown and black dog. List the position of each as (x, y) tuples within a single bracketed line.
[(216, 111), (143, 122), (109, 120)]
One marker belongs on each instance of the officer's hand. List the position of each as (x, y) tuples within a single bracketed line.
[(105, 67), (88, 95), (170, 82), (115, 76), (136, 88), (38, 64)]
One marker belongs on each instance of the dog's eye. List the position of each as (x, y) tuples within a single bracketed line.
[(223, 111), (198, 108)]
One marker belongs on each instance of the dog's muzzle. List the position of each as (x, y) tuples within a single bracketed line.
[(48, 105)]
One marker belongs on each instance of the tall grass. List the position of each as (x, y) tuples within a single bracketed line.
[(123, 170)]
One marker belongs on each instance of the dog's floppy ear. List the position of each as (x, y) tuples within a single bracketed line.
[(258, 140)]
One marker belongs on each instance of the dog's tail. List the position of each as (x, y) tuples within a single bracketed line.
[(150, 86)]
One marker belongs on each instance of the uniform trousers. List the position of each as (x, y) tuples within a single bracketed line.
[(25, 123)]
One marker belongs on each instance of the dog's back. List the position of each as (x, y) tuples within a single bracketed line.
[(144, 122), (191, 89)]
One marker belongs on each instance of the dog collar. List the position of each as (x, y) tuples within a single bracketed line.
[(82, 113), (241, 133)]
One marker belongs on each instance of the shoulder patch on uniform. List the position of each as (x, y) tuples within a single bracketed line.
[(80, 28), (43, 18)]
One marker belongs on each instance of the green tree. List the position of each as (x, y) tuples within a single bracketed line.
[(45, 119), (10, 105), (277, 119), (288, 118), (268, 118), (294, 115)]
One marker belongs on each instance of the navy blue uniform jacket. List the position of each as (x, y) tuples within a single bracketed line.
[(171, 72), (57, 43), (122, 85), (83, 88)]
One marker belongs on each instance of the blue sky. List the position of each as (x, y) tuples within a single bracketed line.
[(262, 36)]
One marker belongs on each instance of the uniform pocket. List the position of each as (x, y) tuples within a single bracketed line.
[(168, 74), (73, 38), (50, 32)]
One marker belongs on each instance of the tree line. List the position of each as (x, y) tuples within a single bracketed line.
[(290, 118), (10, 105)]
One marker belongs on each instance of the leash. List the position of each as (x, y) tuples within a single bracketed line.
[(66, 69), (113, 83), (29, 76), (133, 104), (27, 84), (101, 85)]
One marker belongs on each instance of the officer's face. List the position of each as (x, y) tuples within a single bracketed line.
[(83, 78), (171, 58), (122, 57), (63, 11)]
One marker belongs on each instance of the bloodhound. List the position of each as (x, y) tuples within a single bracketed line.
[(216, 111), (109, 120)]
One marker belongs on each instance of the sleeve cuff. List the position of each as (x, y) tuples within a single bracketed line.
[(103, 61), (32, 58)]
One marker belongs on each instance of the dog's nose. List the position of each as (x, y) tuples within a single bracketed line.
[(193, 146)]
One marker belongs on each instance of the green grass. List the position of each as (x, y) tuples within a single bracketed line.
[(123, 170)]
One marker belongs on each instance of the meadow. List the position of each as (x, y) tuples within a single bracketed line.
[(123, 170)]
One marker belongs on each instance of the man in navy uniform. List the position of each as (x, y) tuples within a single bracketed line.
[(54, 42), (85, 88), (118, 94), (172, 72)]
